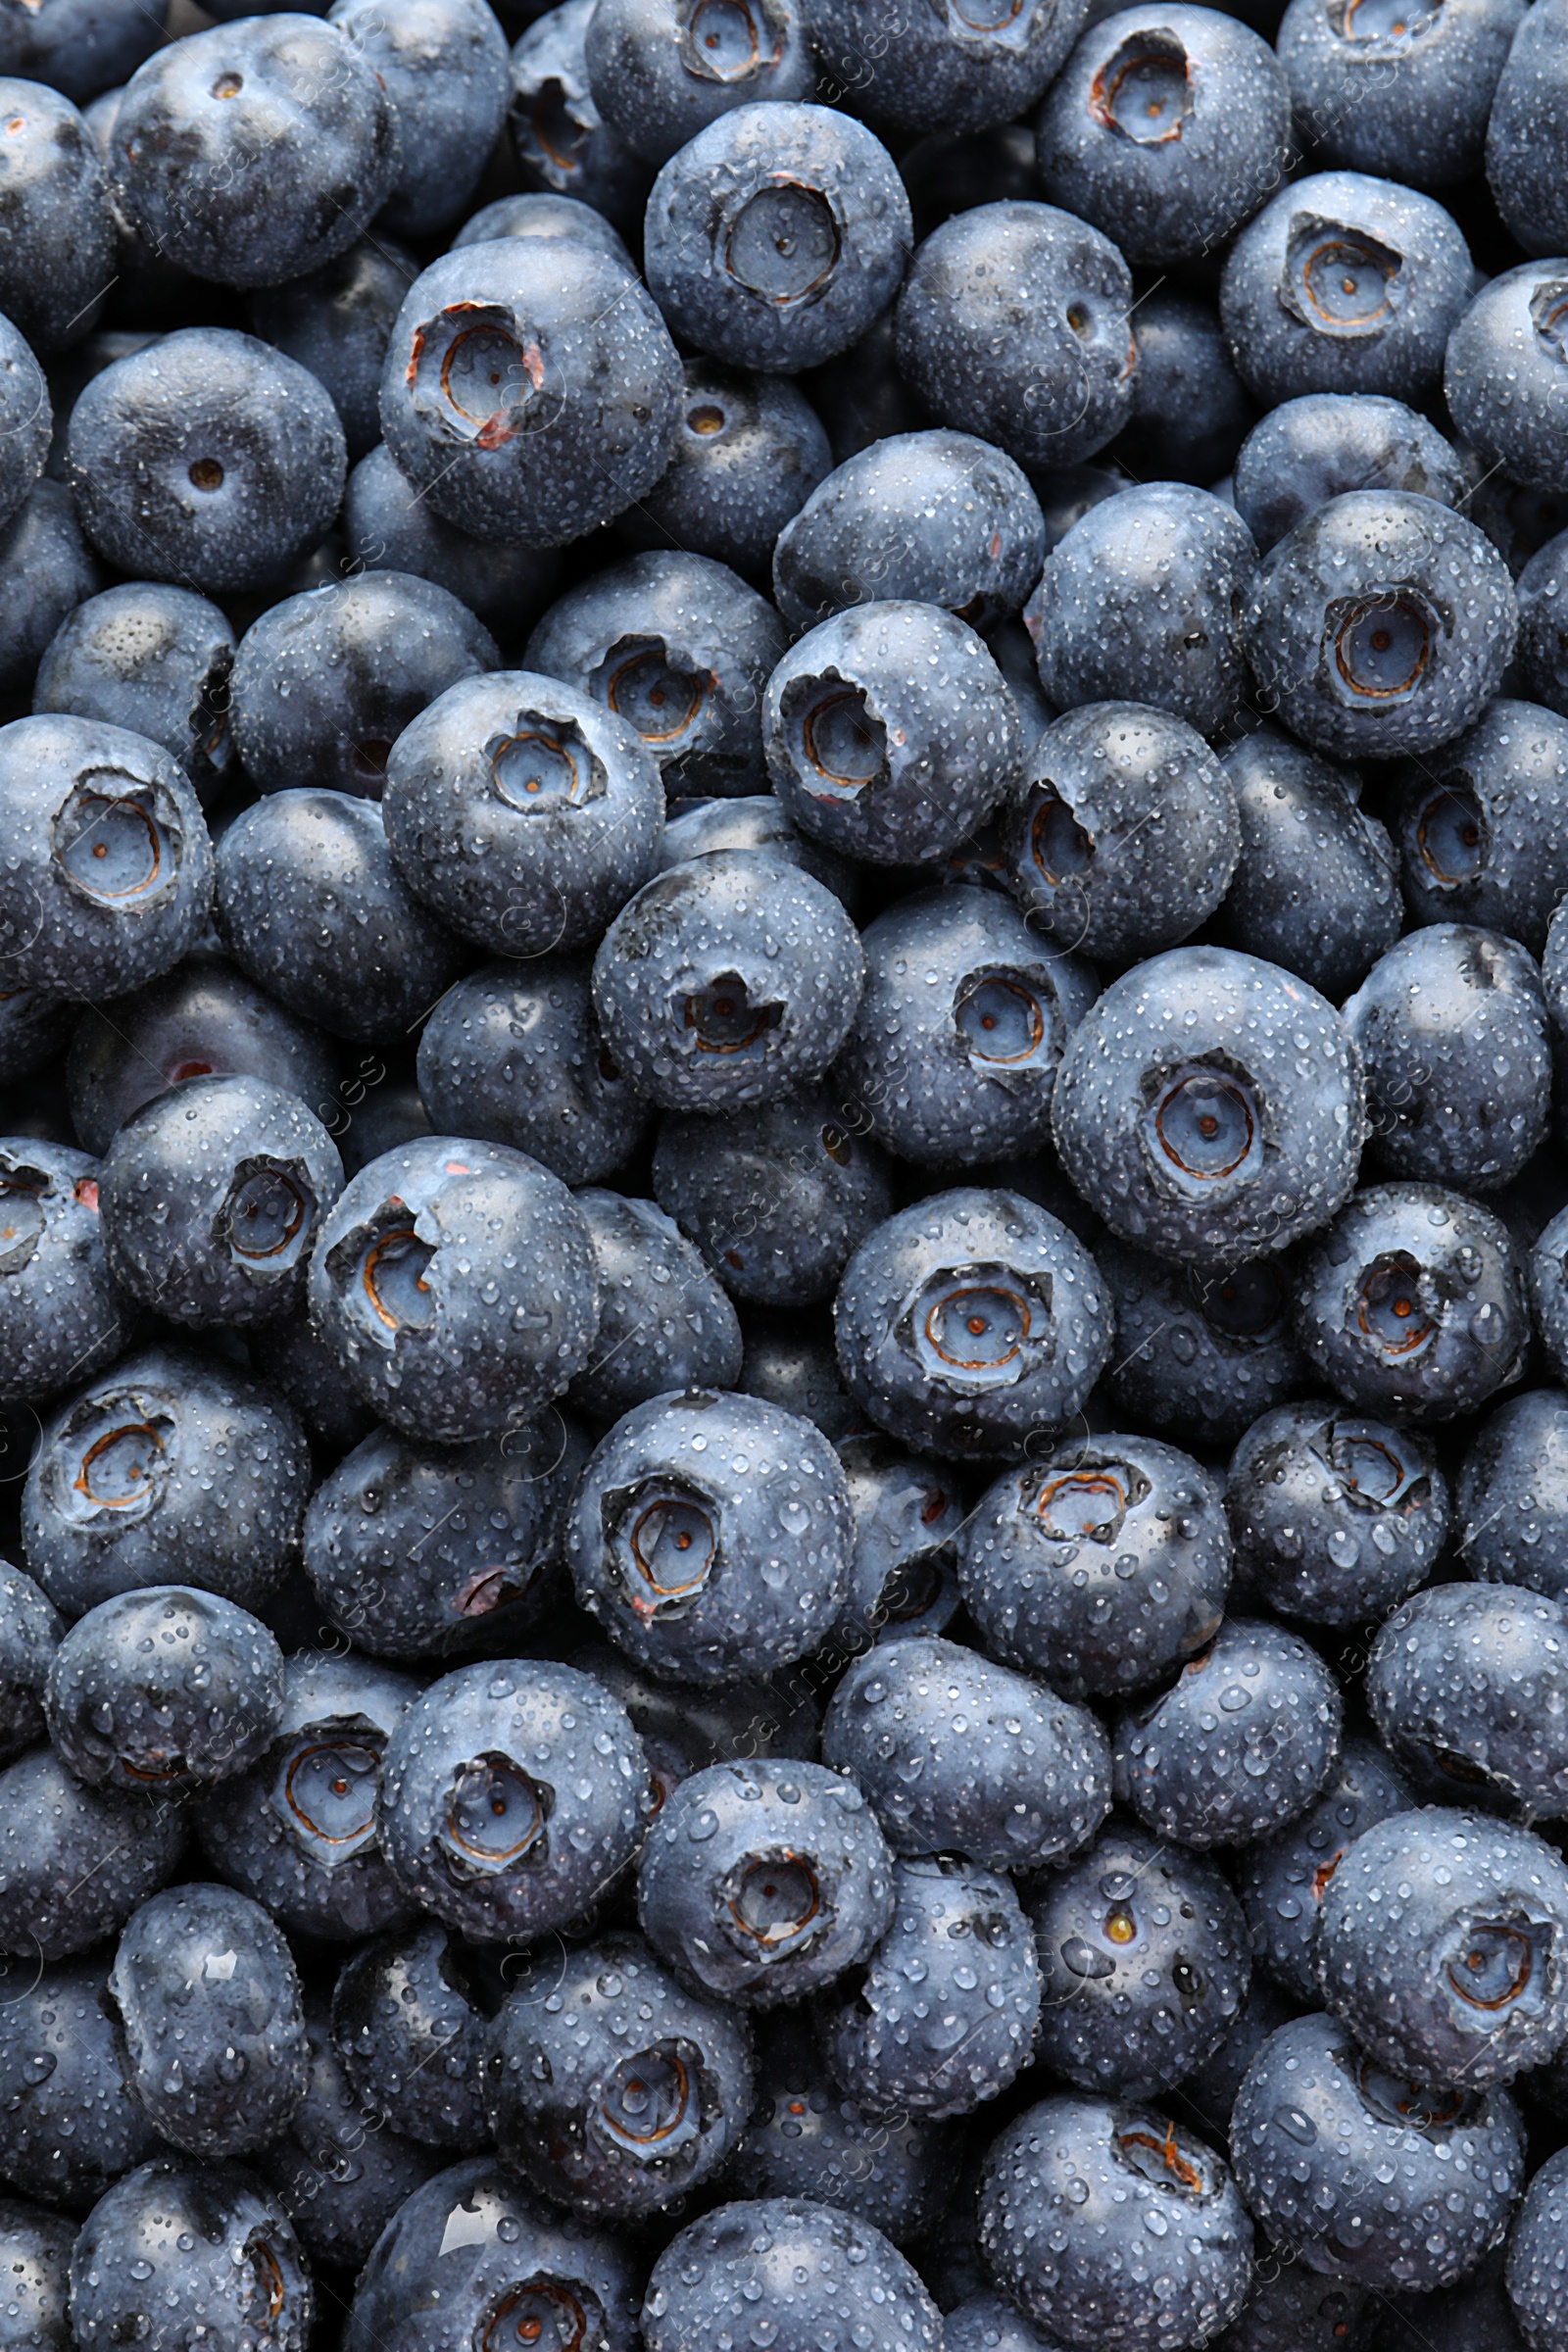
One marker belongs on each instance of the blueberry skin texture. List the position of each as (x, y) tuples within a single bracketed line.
[(388, 526), (936, 517), (770, 1543), (1512, 1493), (1411, 101), (283, 1834), (587, 399), (679, 649), (1026, 1781), (311, 906), (990, 2322), (446, 68), (178, 2254), (109, 876), (754, 820), (325, 683), (75, 1861), (519, 2261), (658, 81), (1199, 1356), (960, 1033), (163, 1692), (1100, 1567), (777, 1199), (77, 46), (1241, 1743), (424, 1552), (60, 229), (1076, 2264), (339, 2174), (71, 2124), (184, 2012), (540, 213), (1283, 1879), (1501, 375), (1413, 1302), (822, 2276), (336, 322), (1381, 625), (748, 452), (1542, 647), (25, 420), (1336, 1517), (1534, 2274), (455, 1281), (730, 980), (1121, 836), (944, 2015), (1437, 1021), (1194, 1035), (1523, 130), (36, 2250), (514, 1054), (1190, 410), (212, 1195), (664, 1318), (208, 459), (152, 658), (563, 143), (542, 1751), (193, 118), (1316, 885), (1170, 167), (1412, 1957), (1144, 1966), (1292, 328), (31, 1628), (1322, 444), (758, 178), (412, 2037), (62, 1316), (47, 569), (1480, 826), (1315, 2131), (156, 1513), (902, 1572), (998, 354), (1467, 1684)]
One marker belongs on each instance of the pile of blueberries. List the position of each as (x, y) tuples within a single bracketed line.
[(784, 1176)]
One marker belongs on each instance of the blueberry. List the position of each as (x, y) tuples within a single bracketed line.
[(662, 70), (816, 2273), (990, 2322), (1479, 831), (445, 67), (511, 1794), (1466, 1683), (1477, 2309), (729, 980), (903, 1572), (411, 2027), (749, 450), (208, 457), (338, 2172), (663, 1319), (195, 115), (24, 420), (563, 143), (456, 1283), (1072, 2192), (1100, 1567), (1505, 356), (154, 660), (311, 906), (170, 1467), (33, 1029), (611, 2089), (1518, 522), (542, 213), (522, 811), (1413, 1302), (1240, 1744), (177, 2254), (1144, 1966), (1368, 2176), (75, 1861), (1190, 410), (1322, 444), (514, 1054), (35, 2257), (72, 2125), (335, 322), (1522, 130), (1014, 325), (944, 2015), (59, 227), (78, 47), (297, 1830), (1292, 2309), (790, 1361), (1387, 95), (1336, 1515), (1343, 284), (471, 2254), (31, 1628), (46, 570), (1380, 625), (685, 1729), (1282, 1881), (711, 1536), (1534, 2274), (1543, 648), (1199, 1355), (680, 649), (1166, 129), (1440, 1944), (861, 397), (1208, 2094), (389, 525), (62, 1315), (423, 1552), (1512, 1492)]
